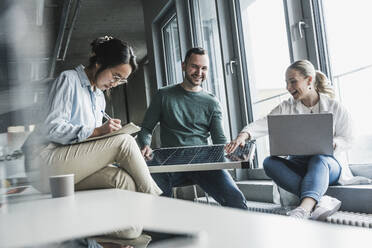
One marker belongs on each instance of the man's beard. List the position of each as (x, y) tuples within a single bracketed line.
[(190, 80)]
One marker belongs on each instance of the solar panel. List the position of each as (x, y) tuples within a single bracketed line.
[(199, 157)]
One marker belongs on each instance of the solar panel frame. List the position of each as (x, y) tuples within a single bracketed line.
[(190, 158)]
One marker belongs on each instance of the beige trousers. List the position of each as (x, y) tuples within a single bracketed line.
[(90, 163)]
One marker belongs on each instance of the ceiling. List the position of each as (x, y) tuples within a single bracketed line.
[(32, 28), (119, 18)]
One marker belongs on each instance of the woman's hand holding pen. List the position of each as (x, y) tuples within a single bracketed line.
[(109, 126)]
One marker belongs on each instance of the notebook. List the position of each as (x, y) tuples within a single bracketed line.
[(304, 134), (129, 128)]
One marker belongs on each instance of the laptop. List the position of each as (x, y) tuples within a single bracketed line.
[(303, 134), (199, 158)]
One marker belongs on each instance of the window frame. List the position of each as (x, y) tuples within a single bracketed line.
[(166, 19), (319, 40), (162, 19)]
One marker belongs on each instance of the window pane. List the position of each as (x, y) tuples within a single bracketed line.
[(172, 52), (349, 39), (267, 52), (208, 37)]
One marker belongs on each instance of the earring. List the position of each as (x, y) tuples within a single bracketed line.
[(309, 87)]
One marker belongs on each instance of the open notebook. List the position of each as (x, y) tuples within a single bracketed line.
[(129, 128)]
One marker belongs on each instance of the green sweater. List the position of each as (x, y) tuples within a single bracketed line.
[(186, 118)]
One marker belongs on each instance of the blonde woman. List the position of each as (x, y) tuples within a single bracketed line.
[(307, 176)]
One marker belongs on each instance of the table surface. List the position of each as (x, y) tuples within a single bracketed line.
[(94, 212)]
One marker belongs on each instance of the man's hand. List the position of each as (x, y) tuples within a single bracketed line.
[(146, 152), (239, 141), (108, 127)]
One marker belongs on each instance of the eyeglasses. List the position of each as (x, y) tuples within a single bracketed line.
[(119, 80)]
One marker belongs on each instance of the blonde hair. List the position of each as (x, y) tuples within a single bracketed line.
[(320, 80)]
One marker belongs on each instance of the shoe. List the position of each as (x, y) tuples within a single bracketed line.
[(299, 213), (326, 207)]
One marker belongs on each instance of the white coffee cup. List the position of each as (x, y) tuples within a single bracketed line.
[(62, 185)]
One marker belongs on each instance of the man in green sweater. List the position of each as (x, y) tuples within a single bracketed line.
[(188, 115)]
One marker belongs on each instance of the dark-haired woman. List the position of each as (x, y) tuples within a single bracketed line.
[(74, 113)]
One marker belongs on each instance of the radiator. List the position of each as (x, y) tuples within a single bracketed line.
[(340, 217)]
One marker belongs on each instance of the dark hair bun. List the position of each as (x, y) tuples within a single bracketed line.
[(109, 52), (99, 44)]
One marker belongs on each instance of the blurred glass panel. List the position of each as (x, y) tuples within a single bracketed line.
[(172, 52), (24, 65)]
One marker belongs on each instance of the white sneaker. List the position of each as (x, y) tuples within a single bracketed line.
[(299, 213), (326, 207)]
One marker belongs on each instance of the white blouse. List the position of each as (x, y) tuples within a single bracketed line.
[(342, 130)]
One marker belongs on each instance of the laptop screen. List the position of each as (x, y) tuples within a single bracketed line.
[(301, 134)]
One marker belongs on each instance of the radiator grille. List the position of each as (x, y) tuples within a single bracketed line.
[(340, 217), (352, 219)]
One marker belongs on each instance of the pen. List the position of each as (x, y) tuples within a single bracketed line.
[(106, 115)]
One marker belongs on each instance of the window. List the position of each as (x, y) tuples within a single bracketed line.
[(172, 51), (206, 32), (349, 43), (267, 52)]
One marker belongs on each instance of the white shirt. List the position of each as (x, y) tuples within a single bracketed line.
[(73, 109), (342, 130)]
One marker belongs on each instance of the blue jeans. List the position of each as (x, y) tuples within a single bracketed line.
[(217, 183), (304, 176)]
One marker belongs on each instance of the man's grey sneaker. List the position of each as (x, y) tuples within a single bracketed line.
[(299, 213), (326, 207)]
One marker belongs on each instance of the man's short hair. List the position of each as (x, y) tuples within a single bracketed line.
[(194, 50)]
